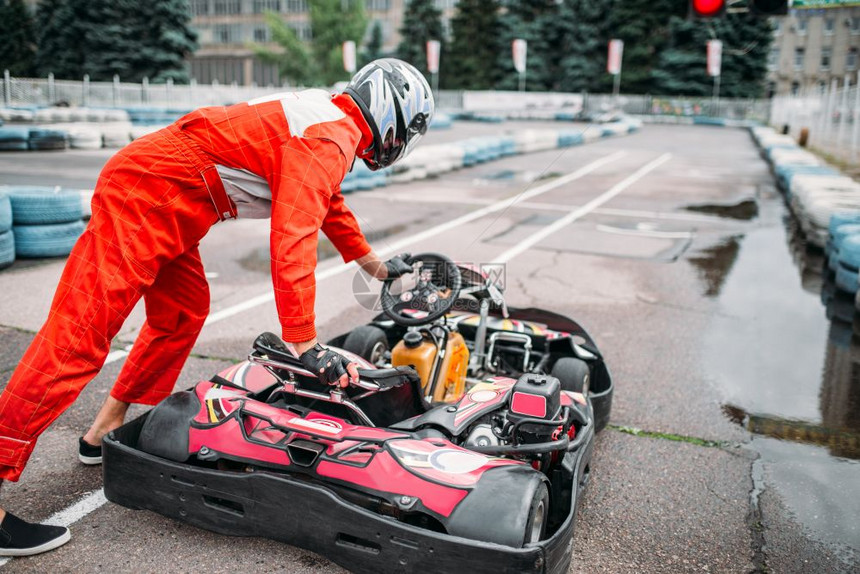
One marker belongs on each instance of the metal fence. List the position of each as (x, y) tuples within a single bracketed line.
[(831, 117)]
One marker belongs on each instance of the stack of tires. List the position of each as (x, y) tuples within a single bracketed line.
[(7, 239), (46, 221)]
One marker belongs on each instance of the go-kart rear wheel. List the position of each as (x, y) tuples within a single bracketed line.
[(573, 374), (538, 514), (368, 342)]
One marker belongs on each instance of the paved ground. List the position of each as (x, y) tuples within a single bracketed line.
[(648, 276)]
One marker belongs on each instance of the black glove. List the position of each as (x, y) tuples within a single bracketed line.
[(326, 364), (399, 265)]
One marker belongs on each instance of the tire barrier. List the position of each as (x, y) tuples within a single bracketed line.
[(825, 203), (14, 138), (44, 205), (7, 249), (53, 240), (5, 212), (44, 139)]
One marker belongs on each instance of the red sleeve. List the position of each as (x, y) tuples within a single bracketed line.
[(343, 231), (306, 174)]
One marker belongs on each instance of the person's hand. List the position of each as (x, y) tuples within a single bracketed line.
[(399, 265), (331, 368)]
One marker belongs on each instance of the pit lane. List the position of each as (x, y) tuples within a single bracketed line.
[(650, 278)]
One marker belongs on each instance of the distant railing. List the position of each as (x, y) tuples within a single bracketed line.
[(831, 118)]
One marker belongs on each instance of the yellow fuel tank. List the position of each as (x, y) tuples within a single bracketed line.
[(420, 358), (451, 380)]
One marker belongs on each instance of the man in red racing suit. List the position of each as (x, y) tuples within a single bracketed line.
[(283, 156)]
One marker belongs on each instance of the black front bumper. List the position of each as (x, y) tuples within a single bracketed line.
[(309, 516)]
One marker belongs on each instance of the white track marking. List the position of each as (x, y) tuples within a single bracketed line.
[(635, 213), (75, 512), (656, 233), (578, 212), (393, 248)]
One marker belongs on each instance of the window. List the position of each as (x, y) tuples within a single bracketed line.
[(795, 88), (822, 86), (851, 59), (296, 6), (227, 34), (261, 34), (828, 26), (303, 30), (773, 59), (801, 25), (855, 25), (228, 6), (199, 7), (825, 58), (377, 5), (799, 53), (777, 26), (261, 6)]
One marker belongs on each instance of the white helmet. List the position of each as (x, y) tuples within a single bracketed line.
[(397, 103)]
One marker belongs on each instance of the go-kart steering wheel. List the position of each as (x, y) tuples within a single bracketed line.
[(434, 294)]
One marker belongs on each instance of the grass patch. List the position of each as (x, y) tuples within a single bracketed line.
[(668, 436)]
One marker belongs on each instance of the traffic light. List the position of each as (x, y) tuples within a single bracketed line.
[(769, 7), (707, 8)]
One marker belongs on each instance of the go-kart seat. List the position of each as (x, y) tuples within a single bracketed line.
[(402, 385)]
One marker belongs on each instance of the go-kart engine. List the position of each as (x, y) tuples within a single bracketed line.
[(482, 435), (535, 398)]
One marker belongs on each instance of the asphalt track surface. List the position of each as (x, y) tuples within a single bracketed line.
[(603, 235)]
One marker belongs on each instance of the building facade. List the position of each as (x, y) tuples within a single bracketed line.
[(226, 28), (814, 47)]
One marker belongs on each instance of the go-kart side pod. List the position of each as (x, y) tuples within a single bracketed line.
[(309, 515)]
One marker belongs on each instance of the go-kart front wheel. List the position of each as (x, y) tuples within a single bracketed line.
[(573, 374), (368, 342)]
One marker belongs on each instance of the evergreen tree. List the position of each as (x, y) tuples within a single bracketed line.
[(537, 22), (373, 48), (319, 62), (17, 38), (746, 43), (106, 37), (422, 21), (643, 25), (583, 45), (475, 46)]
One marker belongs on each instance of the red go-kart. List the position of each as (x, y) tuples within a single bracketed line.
[(466, 444)]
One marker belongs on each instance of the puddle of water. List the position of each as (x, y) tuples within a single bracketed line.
[(789, 373), (713, 263), (744, 210)]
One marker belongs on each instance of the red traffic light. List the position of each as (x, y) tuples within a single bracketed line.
[(707, 8)]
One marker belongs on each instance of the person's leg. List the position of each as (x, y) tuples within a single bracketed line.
[(149, 208), (177, 304)]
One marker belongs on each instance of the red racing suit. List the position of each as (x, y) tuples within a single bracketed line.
[(153, 203)]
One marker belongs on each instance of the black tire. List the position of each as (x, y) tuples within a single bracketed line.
[(368, 342), (538, 515), (508, 506), (7, 249), (5, 212), (41, 205), (47, 240), (574, 374)]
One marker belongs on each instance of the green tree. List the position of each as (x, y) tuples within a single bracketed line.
[(422, 21), (746, 42), (583, 38), (475, 46), (106, 37), (373, 48), (17, 38), (320, 61), (537, 22)]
